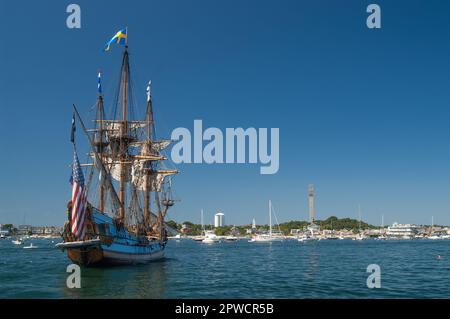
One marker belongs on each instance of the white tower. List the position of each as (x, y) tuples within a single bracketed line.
[(219, 220)]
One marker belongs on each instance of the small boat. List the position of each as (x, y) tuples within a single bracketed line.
[(210, 237), (30, 247), (231, 238), (360, 236), (305, 238), (17, 242), (263, 238), (382, 237), (202, 236)]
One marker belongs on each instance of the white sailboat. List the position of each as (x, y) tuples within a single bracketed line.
[(202, 236), (360, 235), (267, 237), (433, 235), (382, 235)]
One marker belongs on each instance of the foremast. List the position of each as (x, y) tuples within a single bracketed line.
[(123, 134), (147, 149)]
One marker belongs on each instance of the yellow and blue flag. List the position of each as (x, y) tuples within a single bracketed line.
[(119, 38)]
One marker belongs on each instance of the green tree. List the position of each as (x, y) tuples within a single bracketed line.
[(173, 224)]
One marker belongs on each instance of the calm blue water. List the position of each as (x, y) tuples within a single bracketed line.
[(325, 269)]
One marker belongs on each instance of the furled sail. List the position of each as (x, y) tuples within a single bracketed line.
[(114, 168), (157, 146), (156, 178), (110, 125)]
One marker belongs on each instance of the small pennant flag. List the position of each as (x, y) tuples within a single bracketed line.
[(149, 91), (72, 130), (99, 86)]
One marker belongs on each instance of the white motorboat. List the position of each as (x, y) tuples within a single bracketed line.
[(306, 238), (30, 247), (210, 237), (17, 241)]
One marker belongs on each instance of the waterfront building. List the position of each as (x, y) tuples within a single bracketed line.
[(23, 230)]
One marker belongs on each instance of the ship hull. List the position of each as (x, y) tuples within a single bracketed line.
[(99, 256), (111, 245)]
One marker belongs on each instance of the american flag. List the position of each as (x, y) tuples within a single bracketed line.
[(78, 199)]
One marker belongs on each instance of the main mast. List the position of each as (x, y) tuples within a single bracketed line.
[(100, 140)]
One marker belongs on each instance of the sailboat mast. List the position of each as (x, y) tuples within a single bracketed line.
[(201, 217), (123, 143), (432, 224), (359, 213), (270, 218)]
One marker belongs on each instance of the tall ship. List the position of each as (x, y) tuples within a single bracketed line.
[(118, 207)]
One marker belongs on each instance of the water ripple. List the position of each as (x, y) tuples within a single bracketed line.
[(326, 269)]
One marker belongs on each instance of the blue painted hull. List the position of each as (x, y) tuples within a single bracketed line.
[(116, 246)]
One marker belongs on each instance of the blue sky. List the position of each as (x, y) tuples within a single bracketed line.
[(363, 114)]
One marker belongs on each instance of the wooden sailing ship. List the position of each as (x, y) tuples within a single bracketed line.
[(129, 187)]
